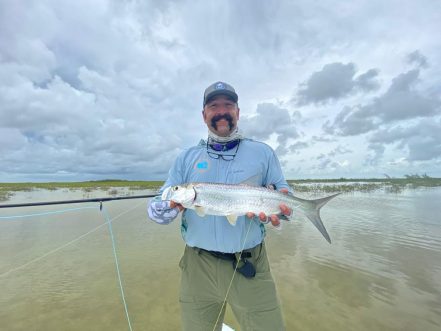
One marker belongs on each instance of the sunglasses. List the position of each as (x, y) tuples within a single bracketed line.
[(219, 147)]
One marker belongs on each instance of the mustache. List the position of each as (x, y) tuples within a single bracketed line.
[(219, 117)]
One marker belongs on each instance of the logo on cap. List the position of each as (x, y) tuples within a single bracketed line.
[(220, 86)]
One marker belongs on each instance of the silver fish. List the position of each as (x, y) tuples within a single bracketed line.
[(233, 200)]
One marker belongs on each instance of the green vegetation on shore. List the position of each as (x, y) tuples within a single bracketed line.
[(299, 185), (94, 184), (6, 189), (365, 185)]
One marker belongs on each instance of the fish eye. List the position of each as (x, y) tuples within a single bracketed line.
[(175, 188)]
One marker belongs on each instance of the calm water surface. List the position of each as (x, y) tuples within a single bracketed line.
[(382, 271)]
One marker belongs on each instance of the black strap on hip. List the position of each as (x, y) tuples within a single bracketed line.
[(246, 268)]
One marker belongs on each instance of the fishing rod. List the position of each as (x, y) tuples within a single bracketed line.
[(65, 202)]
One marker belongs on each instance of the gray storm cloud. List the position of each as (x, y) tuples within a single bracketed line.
[(418, 58), (403, 118), (421, 140), (334, 81), (93, 90), (402, 101), (271, 119)]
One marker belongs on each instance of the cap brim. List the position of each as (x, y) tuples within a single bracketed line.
[(227, 93)]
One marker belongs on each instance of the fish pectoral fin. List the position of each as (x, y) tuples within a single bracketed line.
[(200, 211), (232, 219)]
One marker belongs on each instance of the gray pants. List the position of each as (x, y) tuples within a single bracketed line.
[(204, 283)]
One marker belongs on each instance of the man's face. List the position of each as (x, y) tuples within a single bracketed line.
[(221, 115)]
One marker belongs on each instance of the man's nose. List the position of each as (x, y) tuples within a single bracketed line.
[(222, 109)]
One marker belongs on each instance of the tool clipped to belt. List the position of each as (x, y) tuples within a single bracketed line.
[(245, 267)]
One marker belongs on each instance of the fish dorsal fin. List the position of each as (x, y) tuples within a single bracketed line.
[(200, 211), (252, 181), (232, 219)]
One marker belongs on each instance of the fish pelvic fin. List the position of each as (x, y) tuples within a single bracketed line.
[(313, 214), (200, 211), (232, 219)]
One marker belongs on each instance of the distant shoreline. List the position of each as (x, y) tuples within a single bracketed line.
[(392, 185)]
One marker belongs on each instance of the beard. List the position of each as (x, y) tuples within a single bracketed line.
[(226, 117)]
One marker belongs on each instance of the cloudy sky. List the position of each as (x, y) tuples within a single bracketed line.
[(113, 89)]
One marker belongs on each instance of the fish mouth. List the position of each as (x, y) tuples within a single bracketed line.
[(166, 194)]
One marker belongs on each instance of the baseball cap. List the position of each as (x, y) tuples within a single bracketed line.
[(219, 88)]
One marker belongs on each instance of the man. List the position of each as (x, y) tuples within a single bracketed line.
[(222, 262)]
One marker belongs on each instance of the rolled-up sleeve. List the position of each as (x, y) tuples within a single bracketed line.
[(275, 176)]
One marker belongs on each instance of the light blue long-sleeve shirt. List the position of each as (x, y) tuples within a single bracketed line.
[(254, 160)]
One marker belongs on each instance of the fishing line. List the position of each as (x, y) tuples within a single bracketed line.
[(46, 213), (67, 244), (232, 278), (109, 222)]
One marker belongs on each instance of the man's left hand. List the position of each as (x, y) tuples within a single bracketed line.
[(275, 221)]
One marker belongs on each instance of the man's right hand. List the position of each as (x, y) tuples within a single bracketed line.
[(175, 204), (274, 219)]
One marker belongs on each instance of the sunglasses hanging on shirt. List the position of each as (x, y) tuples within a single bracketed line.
[(216, 149)]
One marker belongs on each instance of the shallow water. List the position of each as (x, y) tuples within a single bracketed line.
[(382, 271)]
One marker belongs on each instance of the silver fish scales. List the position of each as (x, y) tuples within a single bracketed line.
[(233, 200)]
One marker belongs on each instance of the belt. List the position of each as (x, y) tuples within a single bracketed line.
[(247, 269), (228, 256)]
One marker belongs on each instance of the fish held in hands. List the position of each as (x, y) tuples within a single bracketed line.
[(233, 200)]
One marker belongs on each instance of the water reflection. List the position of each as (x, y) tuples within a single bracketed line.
[(381, 272)]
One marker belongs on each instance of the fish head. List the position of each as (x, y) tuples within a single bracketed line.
[(183, 194)]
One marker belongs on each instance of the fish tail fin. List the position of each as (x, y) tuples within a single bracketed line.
[(313, 214)]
